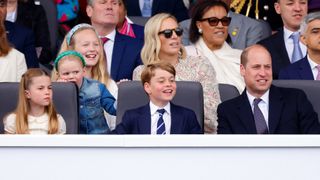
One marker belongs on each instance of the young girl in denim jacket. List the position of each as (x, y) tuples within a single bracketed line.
[(93, 95)]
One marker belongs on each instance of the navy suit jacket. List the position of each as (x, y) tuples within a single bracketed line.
[(174, 7), (290, 112), (298, 70), (125, 57), (138, 31), (23, 40), (277, 48), (138, 121)]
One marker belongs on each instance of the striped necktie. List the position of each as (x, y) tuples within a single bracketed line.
[(161, 128)]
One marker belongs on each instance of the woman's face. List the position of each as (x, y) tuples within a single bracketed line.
[(170, 46), (214, 35), (87, 44)]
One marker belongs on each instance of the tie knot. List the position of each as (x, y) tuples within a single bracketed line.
[(161, 111), (295, 37), (104, 40), (256, 101)]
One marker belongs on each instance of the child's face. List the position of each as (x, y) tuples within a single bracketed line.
[(39, 91), (71, 70), (161, 88), (87, 44)]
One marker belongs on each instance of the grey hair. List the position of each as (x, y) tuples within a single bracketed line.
[(306, 20)]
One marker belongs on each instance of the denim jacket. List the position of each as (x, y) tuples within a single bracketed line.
[(93, 98)]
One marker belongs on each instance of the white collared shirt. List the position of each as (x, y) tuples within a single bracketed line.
[(263, 105), (289, 44), (313, 67), (141, 2), (155, 117), (108, 48)]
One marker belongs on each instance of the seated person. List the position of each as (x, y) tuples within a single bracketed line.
[(94, 97), (160, 116), (125, 26), (264, 108), (308, 68)]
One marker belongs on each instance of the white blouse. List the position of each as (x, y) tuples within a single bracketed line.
[(37, 125)]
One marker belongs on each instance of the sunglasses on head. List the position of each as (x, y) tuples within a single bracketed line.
[(213, 21), (169, 32)]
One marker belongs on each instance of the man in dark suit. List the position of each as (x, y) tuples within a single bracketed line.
[(122, 52), (159, 116), (308, 67), (281, 44), (21, 38), (174, 7), (263, 108)]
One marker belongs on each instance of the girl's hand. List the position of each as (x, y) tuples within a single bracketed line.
[(61, 80)]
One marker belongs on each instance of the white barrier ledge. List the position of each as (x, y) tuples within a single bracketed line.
[(174, 141)]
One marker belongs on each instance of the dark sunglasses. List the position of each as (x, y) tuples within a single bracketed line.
[(213, 21), (169, 32)]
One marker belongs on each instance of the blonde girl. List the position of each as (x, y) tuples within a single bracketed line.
[(35, 112)]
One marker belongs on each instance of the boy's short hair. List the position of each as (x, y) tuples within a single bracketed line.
[(148, 71)]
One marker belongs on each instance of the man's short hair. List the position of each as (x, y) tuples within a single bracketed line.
[(148, 71), (307, 19), (245, 53)]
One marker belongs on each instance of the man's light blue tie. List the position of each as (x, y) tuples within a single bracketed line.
[(261, 124), (297, 53), (146, 9), (161, 128)]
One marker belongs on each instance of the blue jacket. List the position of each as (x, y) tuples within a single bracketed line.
[(93, 99)]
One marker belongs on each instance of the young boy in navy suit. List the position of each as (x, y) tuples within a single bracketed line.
[(159, 116)]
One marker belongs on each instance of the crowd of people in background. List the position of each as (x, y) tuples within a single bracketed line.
[(99, 45)]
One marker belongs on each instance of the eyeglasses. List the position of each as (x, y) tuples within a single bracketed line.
[(213, 21), (169, 32)]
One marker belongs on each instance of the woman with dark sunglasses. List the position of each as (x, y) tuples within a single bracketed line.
[(208, 33), (163, 43)]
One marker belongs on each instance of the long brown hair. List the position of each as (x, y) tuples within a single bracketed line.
[(24, 107), (4, 45)]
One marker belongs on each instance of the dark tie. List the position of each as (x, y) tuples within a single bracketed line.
[(261, 124), (104, 40), (297, 53), (161, 128)]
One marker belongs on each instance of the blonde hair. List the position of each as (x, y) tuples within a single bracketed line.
[(151, 48), (23, 107), (149, 70), (99, 71)]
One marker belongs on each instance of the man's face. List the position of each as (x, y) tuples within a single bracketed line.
[(104, 12), (311, 38), (257, 72), (3, 9), (292, 12)]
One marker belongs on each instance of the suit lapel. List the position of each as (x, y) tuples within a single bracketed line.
[(118, 51), (234, 30), (145, 120), (280, 46), (155, 6), (175, 119), (275, 108), (245, 113), (305, 69)]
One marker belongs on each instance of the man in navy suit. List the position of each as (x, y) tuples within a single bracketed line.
[(280, 45), (21, 38), (174, 7), (160, 116), (278, 111), (308, 67), (122, 52)]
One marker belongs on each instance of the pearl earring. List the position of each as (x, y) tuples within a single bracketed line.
[(200, 31)]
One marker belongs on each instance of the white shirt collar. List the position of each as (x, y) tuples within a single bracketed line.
[(311, 62), (111, 36), (287, 33), (154, 108), (264, 97)]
